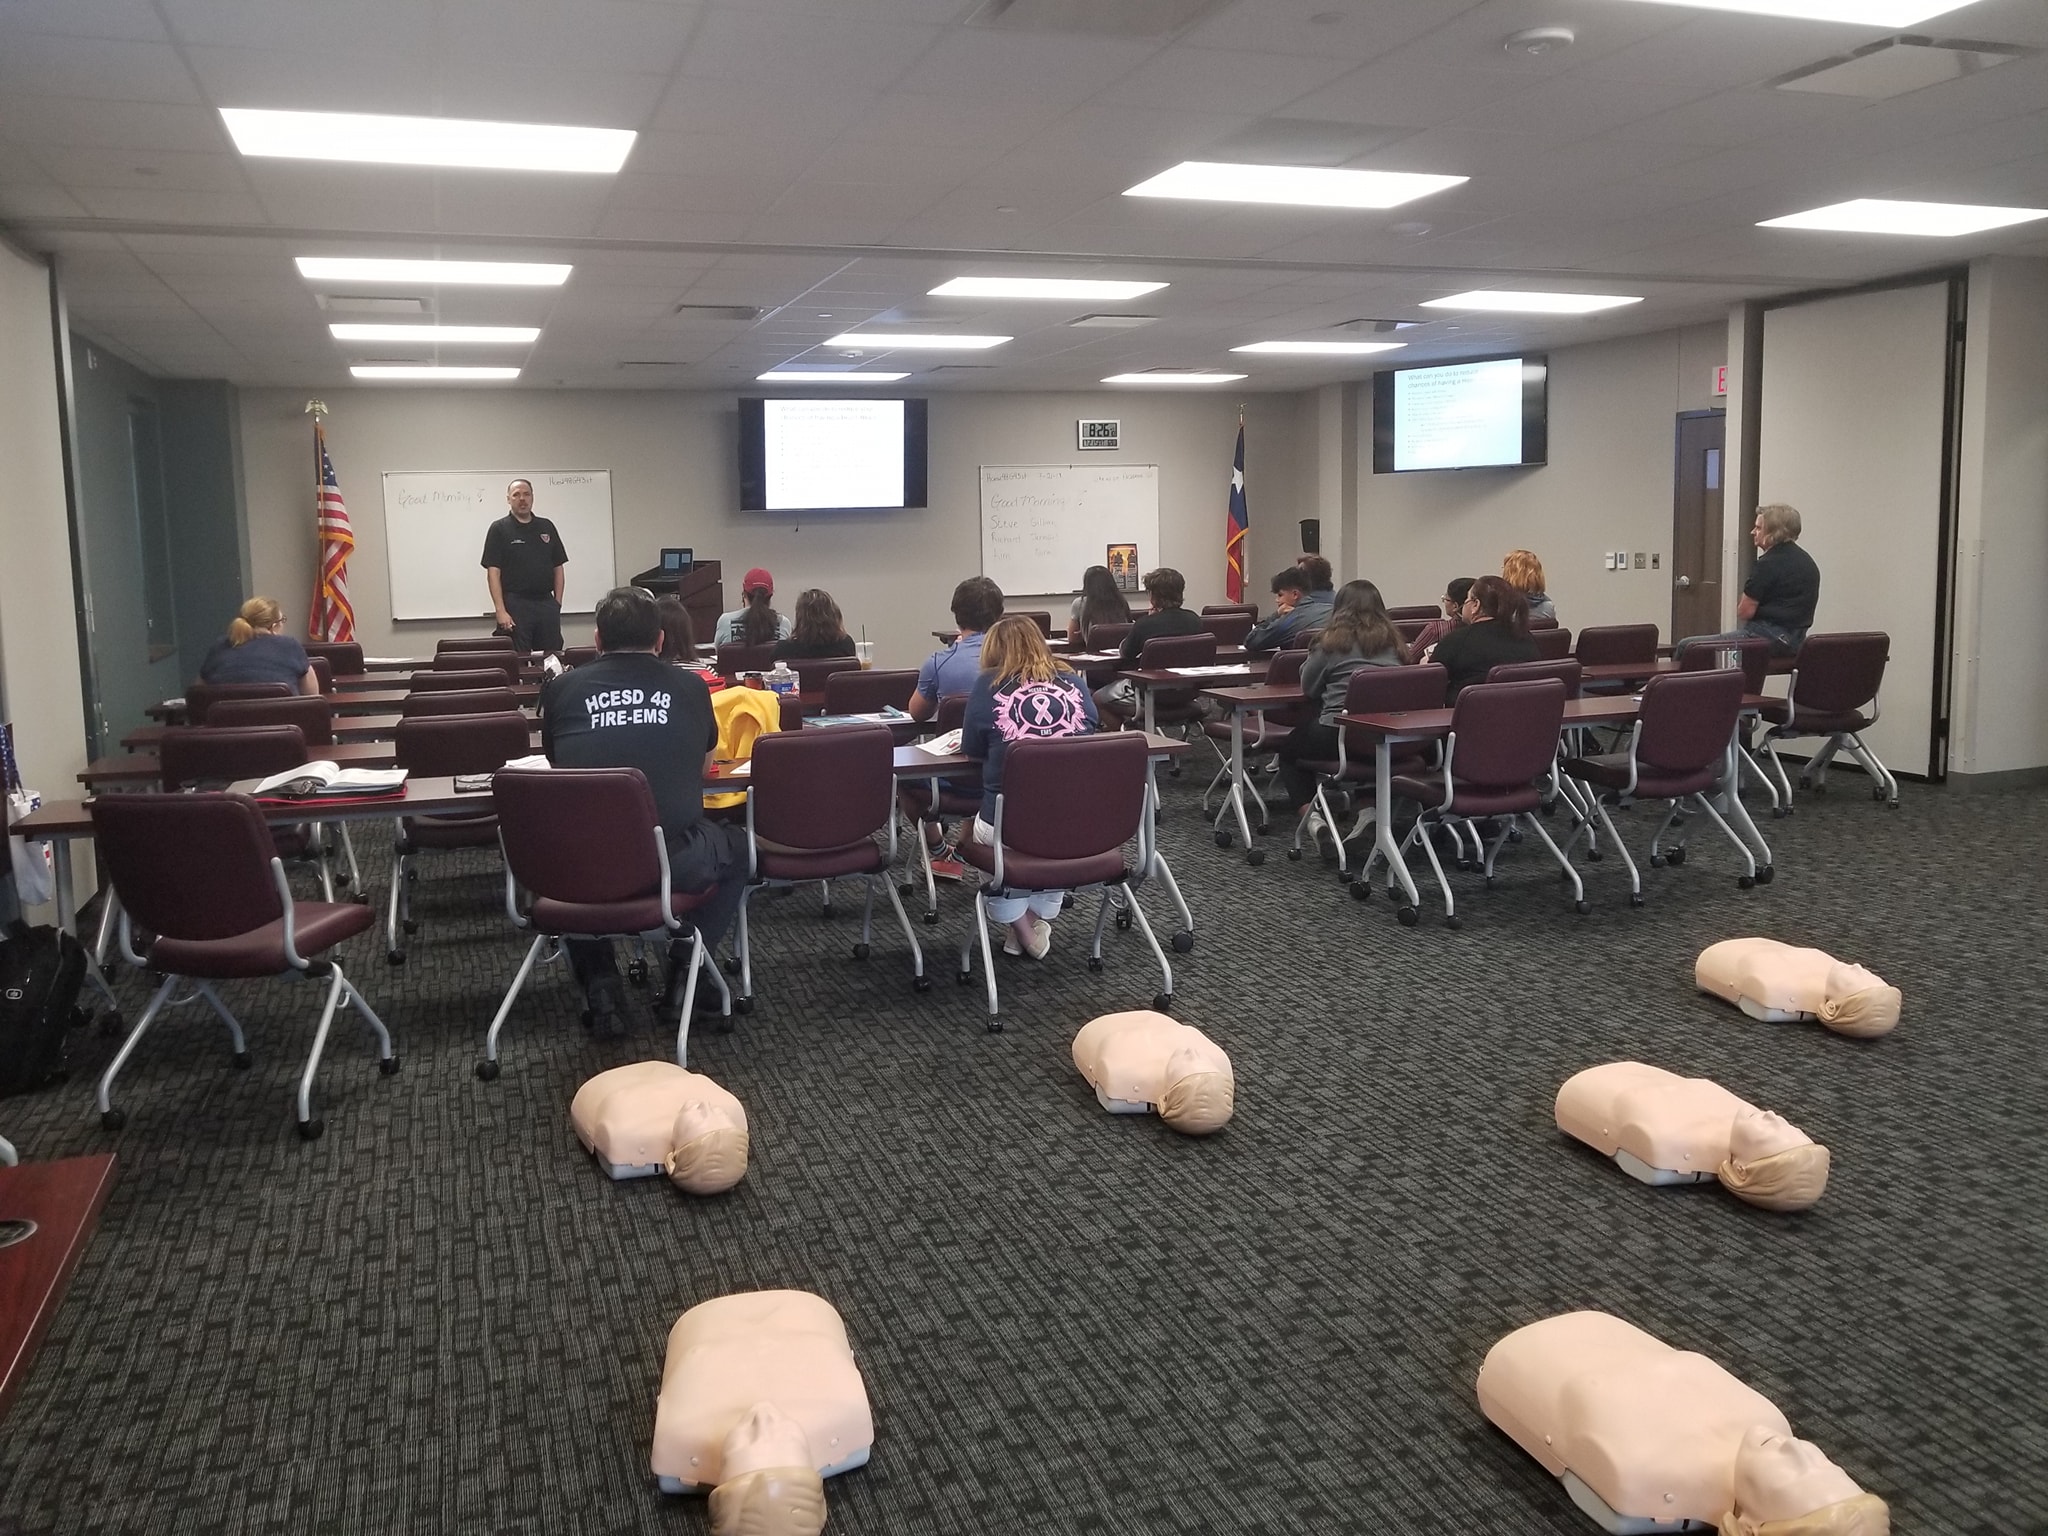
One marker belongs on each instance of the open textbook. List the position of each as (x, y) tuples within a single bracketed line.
[(312, 781)]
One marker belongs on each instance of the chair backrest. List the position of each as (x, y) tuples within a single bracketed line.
[(476, 643), (1228, 628), (323, 673), (1424, 613), (1110, 636), (312, 713), (736, 658), (811, 671), (1040, 617), (1685, 719), (861, 693), (214, 755), (1410, 630), (1538, 622), (1285, 669), (441, 746), (452, 680), (1840, 673), (1070, 797), (344, 656), (1507, 732), (1567, 671), (1613, 645), (461, 701), (815, 790), (506, 663), (193, 867), (1389, 690), (579, 655), (201, 697), (1752, 657), (1552, 644), (580, 835), (1250, 610), (1178, 651), (952, 713)]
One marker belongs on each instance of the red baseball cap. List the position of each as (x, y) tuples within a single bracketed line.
[(758, 578)]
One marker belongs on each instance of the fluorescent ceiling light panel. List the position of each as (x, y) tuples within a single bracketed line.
[(1860, 13), (452, 141), (1508, 301), (1164, 377), (915, 340), (1303, 185), (1089, 290), (489, 335), (477, 274), (807, 376), (1885, 216), (431, 374), (1323, 348)]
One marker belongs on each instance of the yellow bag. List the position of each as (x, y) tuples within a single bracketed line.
[(742, 714)]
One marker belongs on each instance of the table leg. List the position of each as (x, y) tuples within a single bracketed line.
[(1383, 822), (1237, 782), (1145, 692), (67, 894)]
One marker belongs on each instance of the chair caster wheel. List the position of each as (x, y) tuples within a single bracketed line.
[(394, 957), (1635, 898), (825, 913), (487, 1071), (1493, 880), (412, 877), (1779, 812), (995, 1025), (920, 984), (387, 1066), (1582, 906), (110, 1022), (1891, 805), (1766, 875), (1454, 922), (1745, 882), (1361, 890), (309, 1130), (965, 978), (1657, 861), (931, 919), (1255, 857), (906, 887), (732, 965), (861, 951), (113, 1119), (636, 972), (1123, 922), (1594, 855), (1675, 857), (1408, 916), (745, 1005), (1183, 942), (241, 1061), (1294, 854), (1162, 1001), (1095, 962), (409, 925), (1222, 839), (1067, 901)]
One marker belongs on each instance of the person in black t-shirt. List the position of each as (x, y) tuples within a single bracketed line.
[(1784, 588), (1496, 630), (631, 709), (523, 560), (1168, 589)]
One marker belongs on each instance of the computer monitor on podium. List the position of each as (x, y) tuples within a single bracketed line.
[(677, 562)]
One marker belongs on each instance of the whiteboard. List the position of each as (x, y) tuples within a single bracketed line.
[(434, 526), (1042, 525)]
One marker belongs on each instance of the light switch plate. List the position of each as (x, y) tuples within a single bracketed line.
[(1641, 558), (1656, 560)]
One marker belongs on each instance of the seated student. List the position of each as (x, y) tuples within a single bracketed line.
[(1022, 694), (1496, 629), (257, 650), (1524, 572), (1784, 586), (1321, 577), (1454, 610), (1359, 634), (1100, 602), (1298, 611), (1167, 589), (977, 603), (678, 634), (819, 630), (757, 623), (671, 743)]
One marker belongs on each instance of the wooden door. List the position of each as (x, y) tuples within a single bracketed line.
[(1696, 525)]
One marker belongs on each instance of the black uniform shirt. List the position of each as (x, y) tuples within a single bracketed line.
[(525, 554), (1786, 586), (631, 709)]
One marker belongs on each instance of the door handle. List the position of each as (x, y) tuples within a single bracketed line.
[(1684, 582)]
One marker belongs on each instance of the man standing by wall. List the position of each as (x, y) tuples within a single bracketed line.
[(524, 560)]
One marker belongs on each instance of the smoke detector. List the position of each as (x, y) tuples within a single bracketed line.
[(1534, 42)]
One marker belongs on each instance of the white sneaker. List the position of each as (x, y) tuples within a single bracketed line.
[(1041, 939), (1312, 828)]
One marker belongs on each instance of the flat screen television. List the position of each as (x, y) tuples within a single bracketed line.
[(1461, 415), (836, 455)]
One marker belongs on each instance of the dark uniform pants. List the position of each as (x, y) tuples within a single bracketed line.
[(536, 622)]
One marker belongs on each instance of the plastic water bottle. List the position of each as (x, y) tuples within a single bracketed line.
[(782, 679)]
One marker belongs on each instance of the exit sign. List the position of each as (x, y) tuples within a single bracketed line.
[(1095, 434), (1721, 380)]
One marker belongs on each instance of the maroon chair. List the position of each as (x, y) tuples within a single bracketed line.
[(1249, 610), (736, 658), (1228, 628), (1677, 752), (586, 845), (811, 672), (1109, 637), (1835, 684), (476, 643), (956, 795), (1536, 622), (199, 875), (1753, 656), (200, 697), (865, 693), (1420, 613), (1266, 729), (436, 747), (1176, 706), (815, 800), (1410, 630), (311, 713), (1610, 645), (461, 663), (213, 757), (465, 701), (1552, 644), (579, 655), (1503, 740), (345, 657), (458, 679), (1067, 808), (1370, 691), (1040, 617), (1566, 671)]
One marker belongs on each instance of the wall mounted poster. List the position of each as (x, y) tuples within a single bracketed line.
[(1123, 566)]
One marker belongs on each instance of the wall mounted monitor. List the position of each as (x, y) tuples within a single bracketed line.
[(832, 455), (1461, 415)]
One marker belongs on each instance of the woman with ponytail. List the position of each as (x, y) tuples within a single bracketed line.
[(756, 623), (257, 650)]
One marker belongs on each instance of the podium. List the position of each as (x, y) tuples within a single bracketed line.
[(701, 587)]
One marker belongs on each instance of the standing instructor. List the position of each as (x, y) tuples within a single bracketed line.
[(523, 557)]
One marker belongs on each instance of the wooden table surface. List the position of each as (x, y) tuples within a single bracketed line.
[(64, 1200)]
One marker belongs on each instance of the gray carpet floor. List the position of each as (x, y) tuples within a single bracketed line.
[(440, 1318)]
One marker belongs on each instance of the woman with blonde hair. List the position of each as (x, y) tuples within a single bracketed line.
[(1023, 693), (257, 650), (1524, 572)]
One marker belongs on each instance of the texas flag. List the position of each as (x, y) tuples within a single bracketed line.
[(1240, 521)]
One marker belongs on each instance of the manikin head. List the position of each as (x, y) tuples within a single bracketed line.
[(1197, 1098), (1785, 1486), (1772, 1163), (708, 1152), (1859, 1003), (771, 1485)]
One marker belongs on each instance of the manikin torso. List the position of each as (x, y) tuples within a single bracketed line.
[(1144, 1060), (1781, 982)]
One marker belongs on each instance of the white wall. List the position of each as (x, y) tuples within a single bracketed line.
[(1608, 486), (674, 482)]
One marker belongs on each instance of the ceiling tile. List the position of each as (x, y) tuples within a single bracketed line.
[(94, 69), (1008, 65)]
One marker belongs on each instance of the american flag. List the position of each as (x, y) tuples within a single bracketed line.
[(331, 617), (1240, 522)]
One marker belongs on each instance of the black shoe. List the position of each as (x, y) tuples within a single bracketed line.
[(606, 1013)]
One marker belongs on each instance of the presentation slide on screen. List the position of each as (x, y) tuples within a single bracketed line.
[(1456, 417), (832, 453)]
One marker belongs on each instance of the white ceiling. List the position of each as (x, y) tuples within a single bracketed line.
[(828, 161)]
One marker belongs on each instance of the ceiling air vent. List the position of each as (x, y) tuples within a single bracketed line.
[(1114, 322), (1379, 327), (1301, 141), (1108, 18), (650, 362), (1893, 66), (717, 312), (369, 304)]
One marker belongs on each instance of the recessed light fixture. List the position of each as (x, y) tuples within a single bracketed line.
[(425, 372), (1171, 376), (375, 139), (1323, 348), (488, 335), (1886, 216), (815, 376), (1307, 186), (1509, 301), (473, 274), (1860, 13), (918, 340), (1082, 288)]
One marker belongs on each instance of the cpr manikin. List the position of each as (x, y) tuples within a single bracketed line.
[(1666, 1129), (1144, 1061), (1781, 983), (653, 1117), (1648, 1438), (760, 1402)]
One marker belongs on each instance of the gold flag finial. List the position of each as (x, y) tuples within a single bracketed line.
[(315, 408)]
